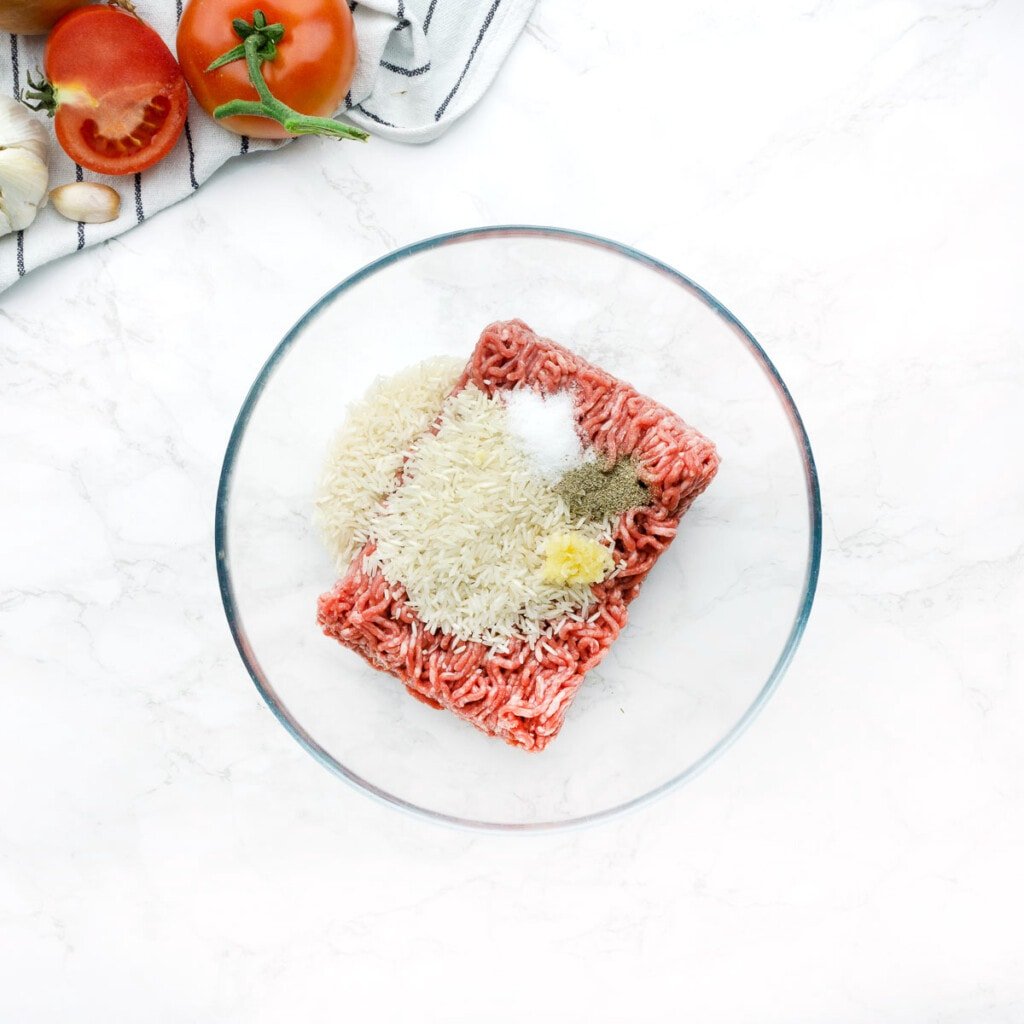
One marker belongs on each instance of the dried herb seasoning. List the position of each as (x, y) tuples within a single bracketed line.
[(598, 492)]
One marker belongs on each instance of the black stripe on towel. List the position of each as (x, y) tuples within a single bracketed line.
[(81, 226), (403, 21), (430, 14), (372, 116), (408, 72), (140, 214), (472, 53), (178, 4), (16, 75), (15, 69), (191, 155), (245, 145)]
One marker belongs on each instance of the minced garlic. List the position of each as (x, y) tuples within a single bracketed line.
[(572, 558)]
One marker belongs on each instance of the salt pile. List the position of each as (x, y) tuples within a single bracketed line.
[(544, 428)]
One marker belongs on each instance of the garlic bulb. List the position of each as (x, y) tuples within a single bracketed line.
[(23, 173), (86, 201)]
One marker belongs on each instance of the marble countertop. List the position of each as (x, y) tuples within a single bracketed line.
[(847, 179)]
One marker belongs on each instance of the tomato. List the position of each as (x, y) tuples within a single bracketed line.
[(116, 92), (310, 72)]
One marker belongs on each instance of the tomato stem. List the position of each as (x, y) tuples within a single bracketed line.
[(42, 91), (259, 44)]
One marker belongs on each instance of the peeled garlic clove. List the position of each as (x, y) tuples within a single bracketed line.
[(86, 201)]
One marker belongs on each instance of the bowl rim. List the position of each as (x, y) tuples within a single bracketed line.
[(263, 684)]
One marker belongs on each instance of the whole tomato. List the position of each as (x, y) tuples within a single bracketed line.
[(114, 90), (312, 58)]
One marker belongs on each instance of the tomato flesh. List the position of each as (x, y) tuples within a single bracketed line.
[(121, 97), (311, 73), (148, 124)]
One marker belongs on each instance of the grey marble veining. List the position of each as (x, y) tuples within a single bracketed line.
[(846, 178)]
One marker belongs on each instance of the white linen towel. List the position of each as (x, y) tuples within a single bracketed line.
[(422, 64)]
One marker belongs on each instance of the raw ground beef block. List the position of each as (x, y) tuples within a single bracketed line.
[(521, 695)]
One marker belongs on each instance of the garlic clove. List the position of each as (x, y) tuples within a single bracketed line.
[(20, 129), (86, 201), (23, 178), (23, 172), (23, 132)]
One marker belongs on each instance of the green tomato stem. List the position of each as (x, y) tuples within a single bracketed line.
[(260, 44), (42, 91)]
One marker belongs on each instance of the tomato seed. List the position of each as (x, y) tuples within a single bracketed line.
[(153, 117)]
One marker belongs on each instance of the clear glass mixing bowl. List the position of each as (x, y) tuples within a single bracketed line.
[(718, 619)]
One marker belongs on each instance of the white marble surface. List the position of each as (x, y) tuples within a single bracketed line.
[(847, 178)]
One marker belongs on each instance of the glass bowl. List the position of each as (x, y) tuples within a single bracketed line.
[(718, 619)]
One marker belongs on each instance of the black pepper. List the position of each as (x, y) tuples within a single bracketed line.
[(598, 492)]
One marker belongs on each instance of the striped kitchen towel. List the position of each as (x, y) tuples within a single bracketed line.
[(422, 65)]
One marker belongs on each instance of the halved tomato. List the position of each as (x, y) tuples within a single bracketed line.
[(115, 90)]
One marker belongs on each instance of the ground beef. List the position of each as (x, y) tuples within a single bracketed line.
[(521, 695)]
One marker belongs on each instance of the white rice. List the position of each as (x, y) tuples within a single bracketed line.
[(368, 451), (465, 532)]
